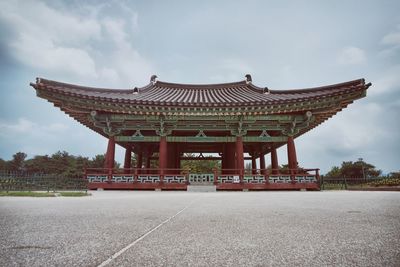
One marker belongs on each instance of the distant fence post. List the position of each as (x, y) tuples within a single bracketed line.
[(322, 184)]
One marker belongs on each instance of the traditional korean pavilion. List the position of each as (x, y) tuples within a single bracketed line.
[(162, 121)]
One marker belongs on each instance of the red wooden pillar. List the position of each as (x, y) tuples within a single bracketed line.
[(291, 151), (177, 159), (110, 155), (292, 158), (223, 158), (148, 161), (162, 156), (239, 157), (253, 165), (274, 161), (139, 161), (171, 158), (128, 158), (230, 161), (262, 163)]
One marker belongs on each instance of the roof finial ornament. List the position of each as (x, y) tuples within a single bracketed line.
[(153, 79), (248, 78), (135, 90)]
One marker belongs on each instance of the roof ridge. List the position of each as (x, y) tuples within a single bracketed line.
[(199, 86), (75, 86), (319, 88)]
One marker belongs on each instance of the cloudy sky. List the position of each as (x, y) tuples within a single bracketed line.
[(283, 44)]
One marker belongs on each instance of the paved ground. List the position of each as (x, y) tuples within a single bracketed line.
[(232, 228)]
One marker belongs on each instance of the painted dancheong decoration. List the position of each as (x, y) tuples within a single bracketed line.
[(162, 121)]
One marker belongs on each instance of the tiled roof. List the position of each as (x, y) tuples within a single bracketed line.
[(158, 93)]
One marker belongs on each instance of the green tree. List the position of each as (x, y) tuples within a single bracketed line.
[(199, 166), (357, 169), (38, 164), (18, 161), (97, 161), (394, 175), (335, 172), (3, 164)]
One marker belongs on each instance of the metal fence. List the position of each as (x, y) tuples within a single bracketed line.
[(348, 183), (23, 181)]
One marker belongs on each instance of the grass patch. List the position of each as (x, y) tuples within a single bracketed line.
[(74, 194), (25, 194)]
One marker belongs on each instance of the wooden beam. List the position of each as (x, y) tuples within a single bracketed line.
[(208, 139)]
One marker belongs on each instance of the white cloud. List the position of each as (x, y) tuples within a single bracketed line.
[(355, 132), (24, 126), (392, 44), (389, 81), (232, 68), (391, 39), (128, 64), (351, 56), (48, 39), (43, 54), (63, 43)]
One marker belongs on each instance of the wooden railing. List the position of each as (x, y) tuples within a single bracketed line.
[(135, 175), (170, 175), (266, 176)]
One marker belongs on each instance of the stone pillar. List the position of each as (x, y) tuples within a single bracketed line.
[(262, 163), (291, 151), (274, 161), (163, 154), (239, 156), (128, 157), (110, 155)]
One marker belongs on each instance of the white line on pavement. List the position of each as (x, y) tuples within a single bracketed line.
[(106, 262)]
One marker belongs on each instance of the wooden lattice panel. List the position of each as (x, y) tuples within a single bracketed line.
[(254, 179), (175, 179), (148, 178), (97, 178), (306, 179), (280, 179), (122, 179)]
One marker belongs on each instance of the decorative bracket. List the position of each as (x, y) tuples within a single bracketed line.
[(296, 126), (241, 131), (137, 134), (201, 134), (264, 134), (162, 131), (107, 128)]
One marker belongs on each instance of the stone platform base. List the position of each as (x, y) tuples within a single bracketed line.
[(201, 188)]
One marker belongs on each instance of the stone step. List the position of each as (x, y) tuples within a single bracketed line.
[(202, 188)]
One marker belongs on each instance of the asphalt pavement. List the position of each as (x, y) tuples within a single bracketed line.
[(147, 228)]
